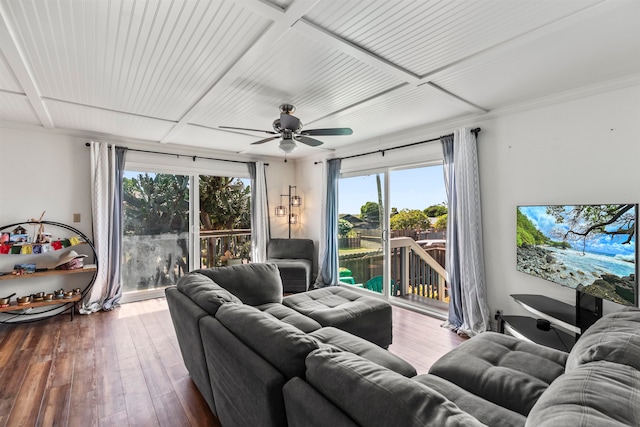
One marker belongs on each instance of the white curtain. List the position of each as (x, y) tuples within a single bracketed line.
[(468, 308), (259, 212), (107, 168)]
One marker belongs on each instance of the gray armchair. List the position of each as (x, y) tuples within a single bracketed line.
[(295, 260)]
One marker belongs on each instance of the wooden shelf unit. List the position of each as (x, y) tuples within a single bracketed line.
[(14, 307), (64, 304), (47, 273)]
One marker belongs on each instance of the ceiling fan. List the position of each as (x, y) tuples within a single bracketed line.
[(289, 128)]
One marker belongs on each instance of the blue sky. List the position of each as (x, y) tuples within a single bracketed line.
[(416, 188), (599, 243)]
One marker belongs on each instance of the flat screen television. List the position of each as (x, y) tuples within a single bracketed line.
[(590, 248)]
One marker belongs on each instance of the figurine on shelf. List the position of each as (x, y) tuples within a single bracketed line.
[(40, 236)]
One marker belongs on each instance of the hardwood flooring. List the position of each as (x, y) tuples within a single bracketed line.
[(124, 368)]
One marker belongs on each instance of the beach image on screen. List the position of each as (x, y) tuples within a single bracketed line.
[(591, 248)]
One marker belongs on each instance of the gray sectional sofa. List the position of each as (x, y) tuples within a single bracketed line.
[(241, 341), (306, 360)]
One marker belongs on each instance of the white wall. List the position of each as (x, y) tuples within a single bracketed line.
[(582, 151), (48, 170), (44, 171), (280, 176)]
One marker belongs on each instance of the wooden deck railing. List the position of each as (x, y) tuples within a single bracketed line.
[(416, 271), (214, 244)]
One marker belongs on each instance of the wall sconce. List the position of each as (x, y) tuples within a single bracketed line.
[(295, 201)]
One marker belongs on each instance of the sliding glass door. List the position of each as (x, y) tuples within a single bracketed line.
[(392, 233), (176, 223), (361, 231), (225, 221), (417, 224), (156, 230)]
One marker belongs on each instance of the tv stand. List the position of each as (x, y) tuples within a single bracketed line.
[(568, 321)]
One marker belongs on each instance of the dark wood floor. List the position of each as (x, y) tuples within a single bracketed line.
[(124, 368)]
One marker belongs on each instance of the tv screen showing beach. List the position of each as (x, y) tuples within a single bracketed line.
[(590, 248)]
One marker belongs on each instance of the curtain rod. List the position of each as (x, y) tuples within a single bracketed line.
[(179, 155), (474, 131)]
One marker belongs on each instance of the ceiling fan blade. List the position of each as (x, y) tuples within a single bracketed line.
[(309, 141), (262, 141), (287, 121), (252, 130), (327, 132)]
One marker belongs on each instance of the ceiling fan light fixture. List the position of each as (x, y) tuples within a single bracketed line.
[(288, 145)]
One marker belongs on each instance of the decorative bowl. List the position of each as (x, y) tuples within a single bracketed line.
[(24, 300)]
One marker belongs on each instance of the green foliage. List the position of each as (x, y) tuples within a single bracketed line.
[(344, 228), (527, 233), (224, 203), (370, 212), (436, 211), (441, 222), (156, 204), (586, 220), (411, 219)]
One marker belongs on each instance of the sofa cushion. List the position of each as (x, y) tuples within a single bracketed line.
[(602, 394), (254, 284), (347, 342), (281, 344), (290, 316), (502, 369), (615, 338), (363, 316), (484, 411), (290, 248), (204, 292), (375, 396)]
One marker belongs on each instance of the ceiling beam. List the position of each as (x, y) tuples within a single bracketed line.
[(410, 80), (18, 64), (312, 30), (457, 100), (280, 26)]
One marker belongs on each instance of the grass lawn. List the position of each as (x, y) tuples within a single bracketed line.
[(357, 251)]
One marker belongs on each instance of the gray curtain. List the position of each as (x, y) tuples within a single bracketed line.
[(259, 212), (114, 291), (468, 309), (107, 172), (328, 265)]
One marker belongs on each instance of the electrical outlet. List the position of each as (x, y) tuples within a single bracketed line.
[(76, 217)]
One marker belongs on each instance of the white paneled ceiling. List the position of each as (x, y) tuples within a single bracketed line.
[(174, 71)]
